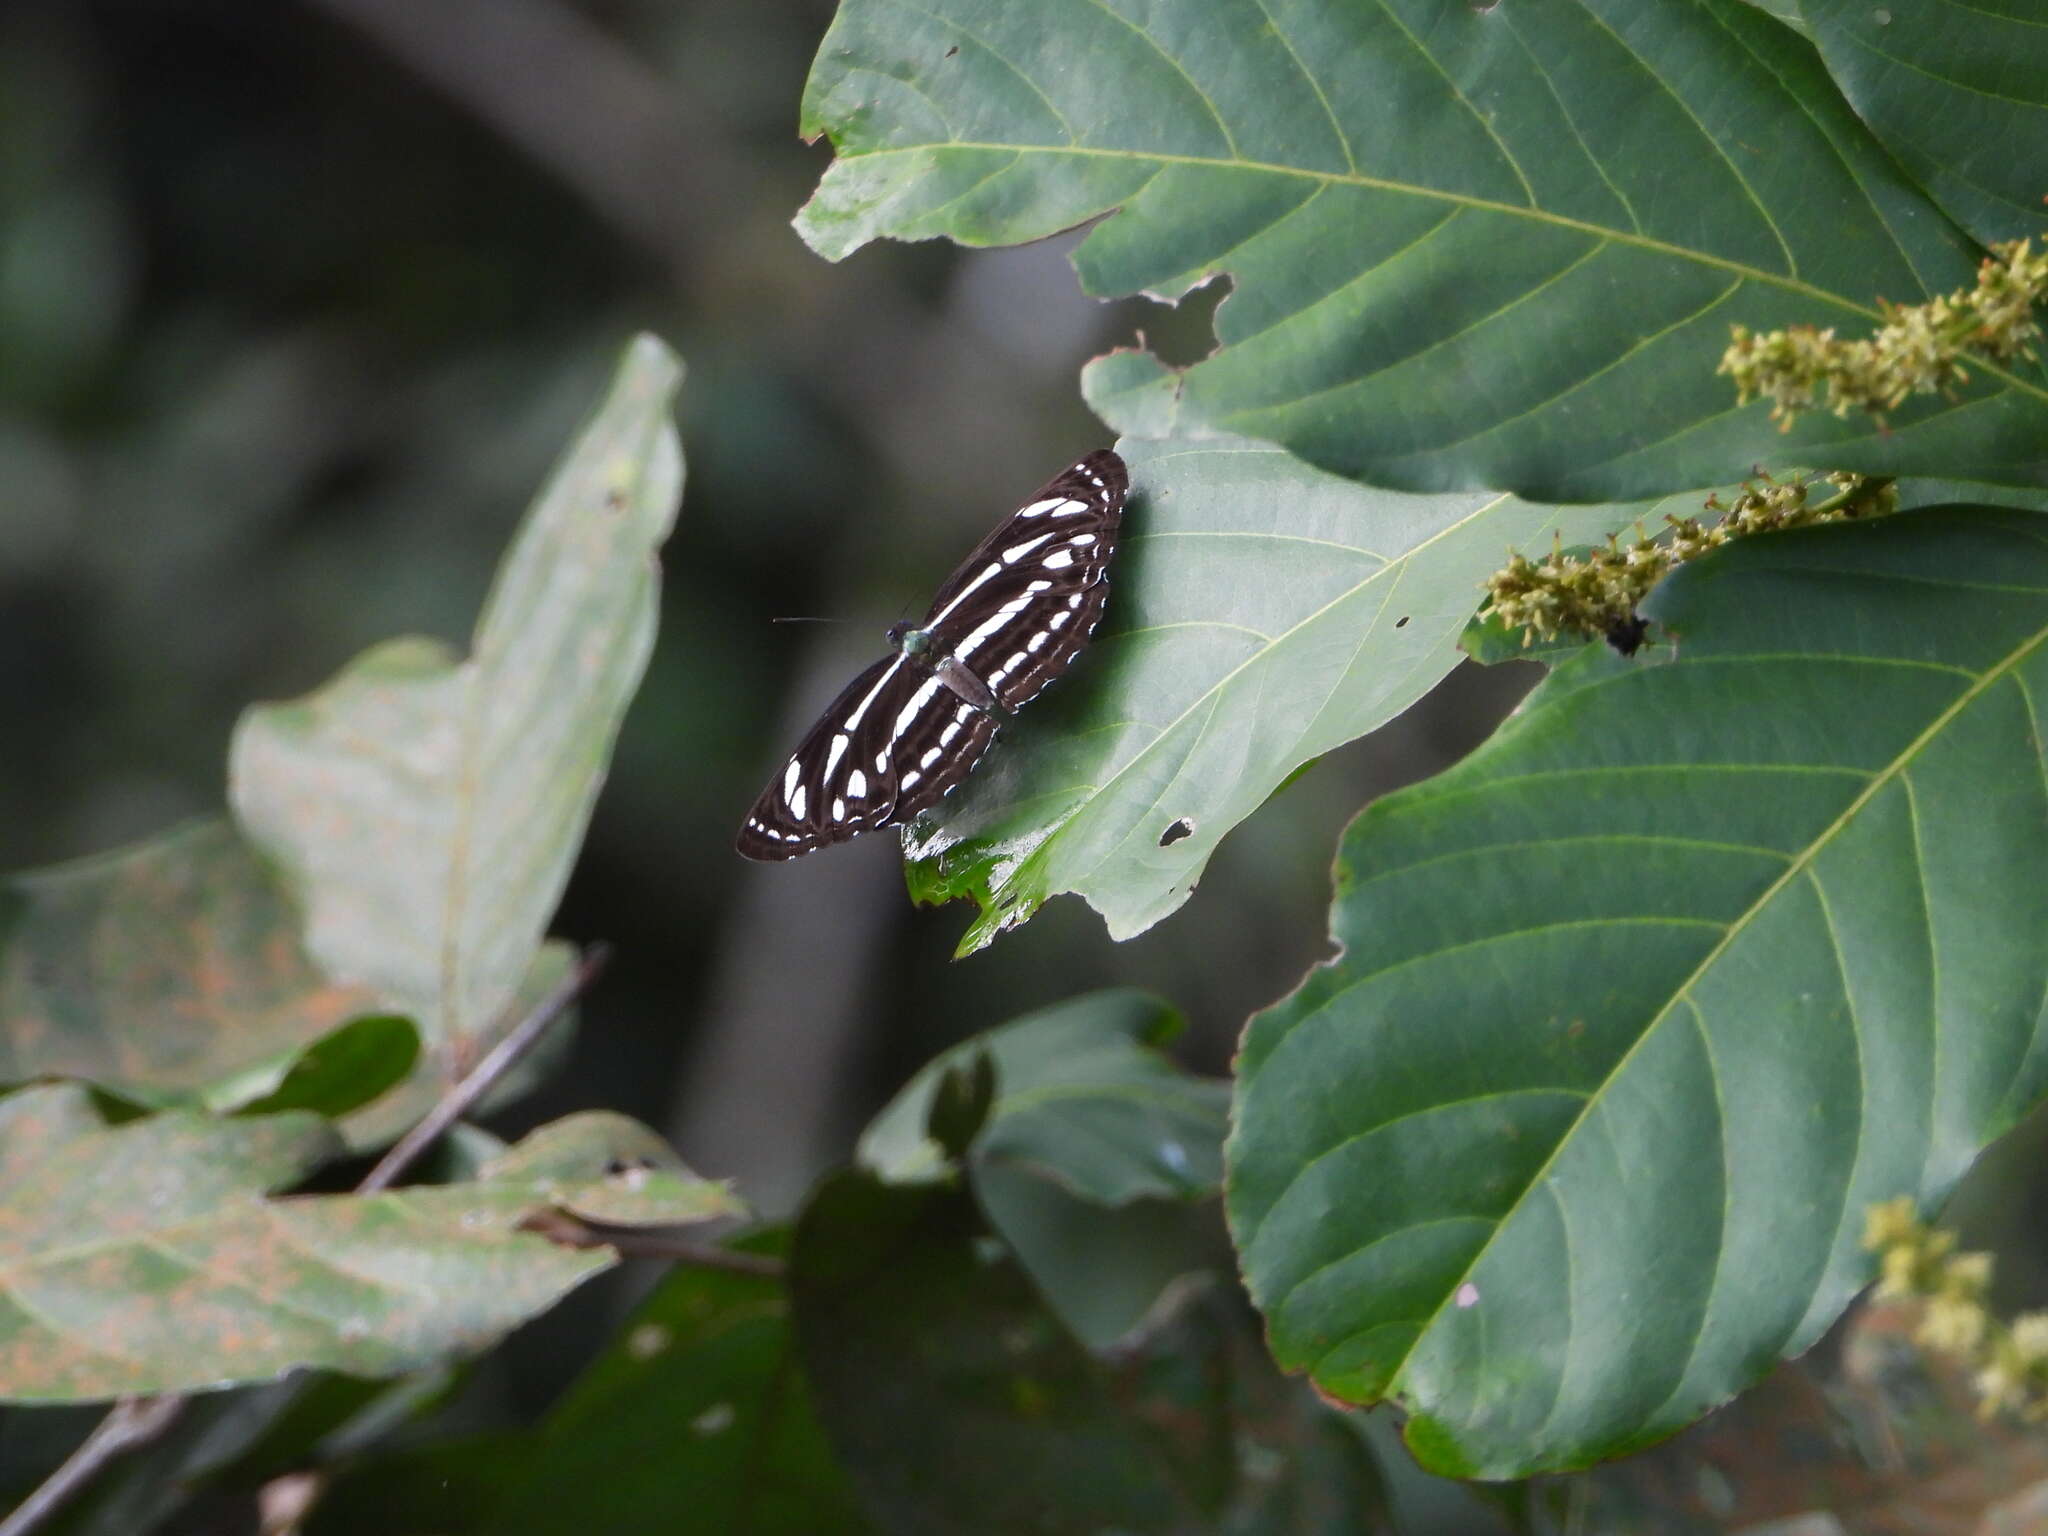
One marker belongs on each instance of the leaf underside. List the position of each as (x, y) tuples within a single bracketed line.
[(1261, 614), (144, 1257), (159, 971), (427, 808)]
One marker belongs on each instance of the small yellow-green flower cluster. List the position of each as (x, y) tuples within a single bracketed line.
[(1919, 350), (1597, 593), (1920, 1262)]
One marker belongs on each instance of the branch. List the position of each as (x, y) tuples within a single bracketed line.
[(130, 1424), (134, 1422), (640, 1243), (497, 1061)]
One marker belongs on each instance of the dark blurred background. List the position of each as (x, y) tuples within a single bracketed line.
[(298, 301)]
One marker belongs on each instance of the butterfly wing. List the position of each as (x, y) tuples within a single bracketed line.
[(892, 743), (1015, 613), (1021, 606)]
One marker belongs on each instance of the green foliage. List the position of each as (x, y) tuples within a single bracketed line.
[(911, 1372), (1083, 1096), (954, 1396), (1571, 1140), (959, 1403), (1643, 1004), (1086, 1162), (153, 1255), (696, 1418), (143, 1258), (1261, 614), (164, 972), (1471, 246), (1633, 1013), (426, 809), (1956, 92), (341, 1072)]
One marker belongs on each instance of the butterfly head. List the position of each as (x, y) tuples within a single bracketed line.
[(909, 639)]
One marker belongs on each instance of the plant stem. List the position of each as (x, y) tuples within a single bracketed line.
[(573, 1232), (498, 1060), (135, 1421), (129, 1424)]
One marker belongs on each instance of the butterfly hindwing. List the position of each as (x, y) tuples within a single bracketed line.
[(893, 742), (794, 813), (900, 736)]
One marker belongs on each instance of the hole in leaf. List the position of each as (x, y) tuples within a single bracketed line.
[(1398, 623), (1181, 333), (1181, 828)]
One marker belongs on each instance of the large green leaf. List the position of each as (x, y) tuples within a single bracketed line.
[(144, 1258), (1643, 1004), (1472, 245), (427, 808), (1958, 92), (1262, 613), (161, 971)]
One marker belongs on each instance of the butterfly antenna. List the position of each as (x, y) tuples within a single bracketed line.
[(805, 618)]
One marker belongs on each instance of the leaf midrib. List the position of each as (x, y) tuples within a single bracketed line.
[(1799, 865), (1394, 565), (1464, 200)]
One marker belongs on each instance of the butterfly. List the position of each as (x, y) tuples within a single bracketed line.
[(1009, 620)]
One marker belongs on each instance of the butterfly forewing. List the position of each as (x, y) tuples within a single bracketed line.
[(893, 742), (1020, 608), (1014, 614), (794, 813)]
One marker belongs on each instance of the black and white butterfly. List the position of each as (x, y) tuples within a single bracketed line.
[(1008, 621)]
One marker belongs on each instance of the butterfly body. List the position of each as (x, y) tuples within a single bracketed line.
[(910, 728)]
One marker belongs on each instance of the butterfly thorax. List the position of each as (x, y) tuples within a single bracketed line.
[(910, 640), (921, 648)]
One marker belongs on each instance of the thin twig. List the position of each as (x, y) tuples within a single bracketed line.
[(640, 1243), (699, 1256), (498, 1060), (135, 1421), (129, 1424), (654, 1245)]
